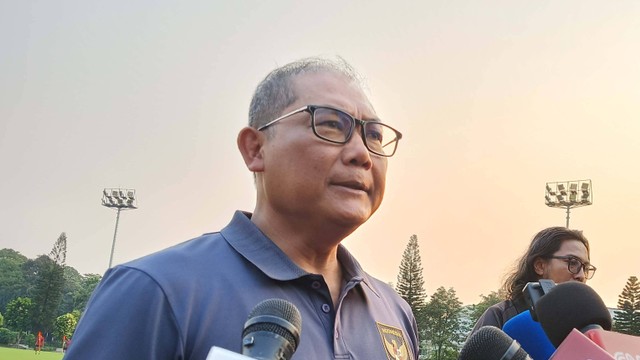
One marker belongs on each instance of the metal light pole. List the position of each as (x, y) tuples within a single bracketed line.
[(564, 195), (120, 199)]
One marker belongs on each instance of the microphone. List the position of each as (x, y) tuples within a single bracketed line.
[(272, 331), (573, 312), (578, 346), (218, 353), (491, 343), (571, 305), (529, 333)]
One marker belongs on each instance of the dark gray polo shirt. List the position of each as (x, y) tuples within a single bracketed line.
[(179, 302)]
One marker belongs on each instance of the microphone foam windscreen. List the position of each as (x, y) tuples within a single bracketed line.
[(488, 343), (529, 333), (571, 305), (268, 316)]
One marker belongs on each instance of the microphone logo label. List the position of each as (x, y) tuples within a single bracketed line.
[(394, 342), (619, 355)]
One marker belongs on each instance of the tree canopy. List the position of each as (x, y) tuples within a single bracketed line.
[(442, 316), (35, 293), (410, 284), (627, 318)]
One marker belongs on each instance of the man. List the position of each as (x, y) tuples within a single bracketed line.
[(320, 174)]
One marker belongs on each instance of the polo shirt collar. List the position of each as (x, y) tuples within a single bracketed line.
[(245, 237)]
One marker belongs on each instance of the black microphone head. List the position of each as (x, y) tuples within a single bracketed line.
[(272, 330), (571, 305), (491, 343)]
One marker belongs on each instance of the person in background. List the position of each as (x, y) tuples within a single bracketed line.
[(39, 343), (319, 155), (556, 253), (65, 343)]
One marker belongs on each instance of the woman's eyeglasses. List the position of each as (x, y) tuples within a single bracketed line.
[(574, 265)]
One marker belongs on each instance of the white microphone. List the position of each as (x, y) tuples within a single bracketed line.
[(218, 353)]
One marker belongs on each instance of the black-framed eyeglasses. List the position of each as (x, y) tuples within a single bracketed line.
[(574, 265), (336, 126)]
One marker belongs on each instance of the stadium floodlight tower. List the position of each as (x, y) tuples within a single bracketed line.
[(568, 195), (120, 199)]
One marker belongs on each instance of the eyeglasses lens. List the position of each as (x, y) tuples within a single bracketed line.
[(337, 126), (380, 138), (332, 125), (575, 265)]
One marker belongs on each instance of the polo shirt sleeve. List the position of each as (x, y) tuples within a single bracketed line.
[(127, 317)]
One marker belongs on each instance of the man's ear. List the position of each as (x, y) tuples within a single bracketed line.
[(539, 265), (250, 142)]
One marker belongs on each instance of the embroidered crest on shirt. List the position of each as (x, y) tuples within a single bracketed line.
[(395, 344)]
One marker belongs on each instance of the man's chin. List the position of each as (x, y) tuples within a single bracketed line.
[(352, 219)]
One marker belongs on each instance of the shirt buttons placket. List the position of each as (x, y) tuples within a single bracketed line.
[(326, 308)]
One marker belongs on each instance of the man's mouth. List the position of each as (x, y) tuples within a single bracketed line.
[(355, 185)]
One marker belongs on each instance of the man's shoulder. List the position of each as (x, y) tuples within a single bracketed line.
[(205, 247), (187, 256)]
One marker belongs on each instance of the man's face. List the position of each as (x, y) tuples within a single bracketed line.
[(311, 179)]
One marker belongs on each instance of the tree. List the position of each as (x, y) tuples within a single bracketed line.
[(12, 282), (72, 286), (7, 337), (21, 277), (31, 270), (478, 309), (89, 283), (49, 284), (466, 320), (65, 325), (18, 315), (410, 282), (442, 315), (627, 319)]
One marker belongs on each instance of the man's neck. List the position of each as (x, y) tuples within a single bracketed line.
[(313, 250)]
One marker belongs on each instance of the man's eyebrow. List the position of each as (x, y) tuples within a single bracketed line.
[(374, 119)]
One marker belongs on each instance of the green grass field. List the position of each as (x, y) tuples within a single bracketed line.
[(19, 354)]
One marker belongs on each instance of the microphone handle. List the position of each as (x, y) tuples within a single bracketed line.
[(514, 353)]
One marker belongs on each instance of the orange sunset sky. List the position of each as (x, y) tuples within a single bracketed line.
[(494, 98)]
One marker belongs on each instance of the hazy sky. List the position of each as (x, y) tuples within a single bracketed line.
[(494, 98)]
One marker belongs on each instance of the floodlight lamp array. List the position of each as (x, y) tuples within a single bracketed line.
[(119, 198), (568, 194)]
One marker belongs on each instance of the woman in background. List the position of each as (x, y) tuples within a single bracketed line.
[(556, 253)]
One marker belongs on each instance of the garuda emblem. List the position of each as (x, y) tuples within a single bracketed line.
[(394, 342)]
